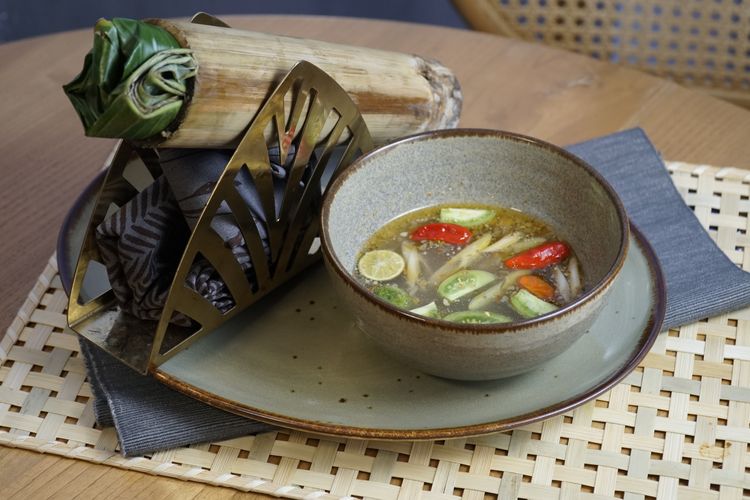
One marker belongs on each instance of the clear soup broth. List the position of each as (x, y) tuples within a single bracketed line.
[(470, 264)]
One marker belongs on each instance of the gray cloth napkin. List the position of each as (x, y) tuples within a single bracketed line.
[(701, 282), (149, 416)]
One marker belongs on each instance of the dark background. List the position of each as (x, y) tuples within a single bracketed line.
[(25, 18)]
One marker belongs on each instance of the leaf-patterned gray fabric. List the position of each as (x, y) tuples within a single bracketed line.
[(142, 242), (140, 245)]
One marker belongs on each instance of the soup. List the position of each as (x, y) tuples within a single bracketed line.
[(470, 264)]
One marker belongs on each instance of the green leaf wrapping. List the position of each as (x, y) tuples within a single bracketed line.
[(133, 82)]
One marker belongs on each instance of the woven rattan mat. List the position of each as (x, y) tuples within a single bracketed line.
[(677, 426)]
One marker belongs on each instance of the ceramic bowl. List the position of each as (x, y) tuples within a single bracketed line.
[(485, 167)]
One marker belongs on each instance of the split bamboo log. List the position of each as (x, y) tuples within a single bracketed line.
[(398, 94)]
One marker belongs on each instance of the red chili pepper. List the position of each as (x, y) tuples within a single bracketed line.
[(540, 256), (448, 233)]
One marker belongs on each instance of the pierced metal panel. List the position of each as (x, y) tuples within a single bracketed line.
[(316, 130)]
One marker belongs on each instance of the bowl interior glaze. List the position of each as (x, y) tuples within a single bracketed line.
[(485, 167)]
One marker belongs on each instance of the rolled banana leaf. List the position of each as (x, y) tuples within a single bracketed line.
[(187, 85), (134, 80)]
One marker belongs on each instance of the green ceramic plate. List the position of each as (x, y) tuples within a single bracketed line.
[(297, 359)]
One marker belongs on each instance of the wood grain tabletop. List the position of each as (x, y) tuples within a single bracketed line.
[(45, 161)]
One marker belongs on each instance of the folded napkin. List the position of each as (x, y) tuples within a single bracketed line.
[(149, 416), (142, 242), (701, 281)]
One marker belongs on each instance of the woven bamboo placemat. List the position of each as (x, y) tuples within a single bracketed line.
[(678, 426)]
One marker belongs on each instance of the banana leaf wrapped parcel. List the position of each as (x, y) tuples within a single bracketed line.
[(187, 85)]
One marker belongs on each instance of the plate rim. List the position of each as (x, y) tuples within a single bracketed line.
[(646, 341)]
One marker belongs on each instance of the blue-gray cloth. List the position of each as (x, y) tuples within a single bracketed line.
[(701, 282), (149, 416)]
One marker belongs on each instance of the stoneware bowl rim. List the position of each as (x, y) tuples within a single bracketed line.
[(492, 328)]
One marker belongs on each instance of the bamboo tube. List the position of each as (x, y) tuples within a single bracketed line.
[(397, 94)]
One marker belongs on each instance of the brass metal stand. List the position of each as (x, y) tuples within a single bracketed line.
[(309, 110)]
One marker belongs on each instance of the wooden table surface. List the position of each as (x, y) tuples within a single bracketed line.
[(510, 85)]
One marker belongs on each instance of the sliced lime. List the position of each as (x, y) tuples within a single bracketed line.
[(381, 265)]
